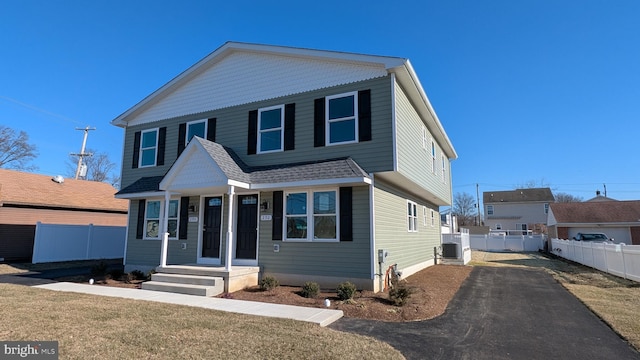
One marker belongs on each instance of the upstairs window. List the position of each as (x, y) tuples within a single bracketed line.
[(489, 209), (412, 216), (342, 118), (270, 129), (444, 169), (196, 128), (546, 208), (433, 156), (148, 147)]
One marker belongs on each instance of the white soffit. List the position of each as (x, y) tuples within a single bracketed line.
[(243, 77)]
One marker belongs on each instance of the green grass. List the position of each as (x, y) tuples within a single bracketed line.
[(94, 327)]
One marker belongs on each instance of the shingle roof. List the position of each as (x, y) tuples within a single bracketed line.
[(235, 169), (597, 212), (518, 195), (21, 188)]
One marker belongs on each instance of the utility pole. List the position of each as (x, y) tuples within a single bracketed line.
[(478, 203), (82, 154)]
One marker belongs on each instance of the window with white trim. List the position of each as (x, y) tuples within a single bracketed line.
[(424, 215), (270, 129), (444, 169), (318, 222), (433, 218), (148, 147), (196, 128), (489, 209), (546, 208), (424, 137), (498, 226), (412, 216), (153, 219), (341, 115), (433, 156)]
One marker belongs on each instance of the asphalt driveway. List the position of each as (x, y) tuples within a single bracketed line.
[(503, 313)]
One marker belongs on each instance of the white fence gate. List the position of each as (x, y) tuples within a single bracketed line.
[(501, 242), (55, 242), (617, 259)]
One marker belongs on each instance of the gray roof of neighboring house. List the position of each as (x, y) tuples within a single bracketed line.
[(235, 169), (518, 195), (597, 212)]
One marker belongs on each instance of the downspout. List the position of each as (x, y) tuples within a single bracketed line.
[(227, 263), (165, 231)]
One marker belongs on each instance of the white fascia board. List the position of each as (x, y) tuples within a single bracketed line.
[(600, 224), (309, 183), (141, 195), (239, 184)]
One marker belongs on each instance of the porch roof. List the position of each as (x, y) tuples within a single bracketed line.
[(205, 165)]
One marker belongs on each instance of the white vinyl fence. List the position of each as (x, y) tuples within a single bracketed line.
[(617, 259), (501, 242), (463, 251), (55, 242)]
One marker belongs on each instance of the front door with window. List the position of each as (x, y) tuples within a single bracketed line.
[(211, 227), (247, 227)]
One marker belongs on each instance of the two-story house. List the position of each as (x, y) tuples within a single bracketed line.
[(295, 163), (517, 212)]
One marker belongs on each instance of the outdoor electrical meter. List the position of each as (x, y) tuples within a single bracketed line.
[(382, 255)]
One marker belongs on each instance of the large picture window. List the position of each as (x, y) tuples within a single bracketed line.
[(148, 147), (318, 222), (342, 118), (270, 129)]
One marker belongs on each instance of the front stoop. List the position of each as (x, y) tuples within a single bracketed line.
[(185, 284), (201, 280)]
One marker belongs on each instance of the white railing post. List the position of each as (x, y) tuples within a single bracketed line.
[(163, 252), (227, 264)]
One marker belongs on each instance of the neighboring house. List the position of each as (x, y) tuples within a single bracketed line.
[(26, 199), (448, 223), (301, 163), (600, 197), (619, 220), (519, 211)]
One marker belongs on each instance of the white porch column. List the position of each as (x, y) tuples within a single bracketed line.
[(165, 230), (227, 262)]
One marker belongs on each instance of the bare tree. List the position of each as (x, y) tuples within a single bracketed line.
[(99, 167), (15, 150), (464, 207), (566, 198)]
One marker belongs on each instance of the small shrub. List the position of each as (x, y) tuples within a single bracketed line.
[(99, 269), (137, 275), (310, 289), (148, 276), (129, 277), (268, 283), (400, 294), (346, 291), (116, 274)]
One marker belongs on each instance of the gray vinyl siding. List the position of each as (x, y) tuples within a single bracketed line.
[(147, 252), (405, 248), (232, 127), (339, 259), (415, 161)]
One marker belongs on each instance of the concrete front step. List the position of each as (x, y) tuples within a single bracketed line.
[(190, 289), (188, 279)]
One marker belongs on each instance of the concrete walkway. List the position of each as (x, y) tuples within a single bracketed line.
[(322, 317)]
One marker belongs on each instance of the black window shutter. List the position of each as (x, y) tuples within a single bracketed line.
[(346, 218), (182, 133), (276, 219), (184, 217), (364, 115), (252, 138), (211, 129), (162, 138), (318, 123), (289, 126), (140, 225), (136, 150)]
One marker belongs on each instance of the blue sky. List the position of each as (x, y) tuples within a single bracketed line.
[(542, 91)]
